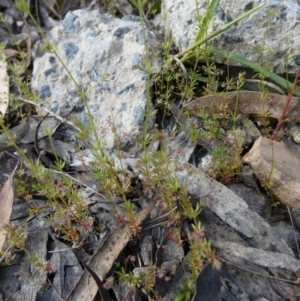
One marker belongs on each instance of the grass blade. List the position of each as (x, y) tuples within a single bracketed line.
[(206, 19), (186, 54), (265, 71)]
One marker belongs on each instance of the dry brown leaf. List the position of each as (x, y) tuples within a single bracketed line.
[(6, 202), (4, 85), (249, 102), (10, 52)]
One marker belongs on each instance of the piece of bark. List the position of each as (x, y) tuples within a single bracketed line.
[(33, 277), (25, 132), (181, 276), (266, 271), (67, 272), (62, 150), (49, 123), (231, 209), (237, 271), (277, 169)]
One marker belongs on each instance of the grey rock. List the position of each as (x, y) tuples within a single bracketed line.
[(102, 54), (282, 37)]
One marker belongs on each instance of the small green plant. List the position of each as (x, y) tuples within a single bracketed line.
[(226, 163), (185, 294), (69, 215)]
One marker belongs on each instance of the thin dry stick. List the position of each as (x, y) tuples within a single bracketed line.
[(50, 112), (295, 237), (289, 97)]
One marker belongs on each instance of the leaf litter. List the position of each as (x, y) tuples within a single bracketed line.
[(250, 249)]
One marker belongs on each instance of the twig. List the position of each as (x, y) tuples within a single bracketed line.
[(50, 112), (288, 100), (294, 232)]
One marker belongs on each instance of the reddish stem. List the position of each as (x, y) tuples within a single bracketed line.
[(288, 100)]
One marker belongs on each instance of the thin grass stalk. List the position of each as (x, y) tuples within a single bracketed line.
[(187, 54)]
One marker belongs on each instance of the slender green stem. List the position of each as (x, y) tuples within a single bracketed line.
[(206, 19), (186, 54), (289, 97)]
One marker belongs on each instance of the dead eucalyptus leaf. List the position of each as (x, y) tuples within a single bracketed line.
[(231, 209), (68, 270), (249, 102), (10, 52), (257, 82), (6, 203)]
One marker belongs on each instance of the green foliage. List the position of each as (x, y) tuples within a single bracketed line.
[(226, 162), (256, 67), (190, 52), (185, 295), (23, 6), (153, 6), (206, 19)]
